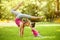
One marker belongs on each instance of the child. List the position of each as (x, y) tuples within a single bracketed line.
[(20, 22)]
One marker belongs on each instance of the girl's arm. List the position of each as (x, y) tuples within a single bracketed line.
[(16, 7)]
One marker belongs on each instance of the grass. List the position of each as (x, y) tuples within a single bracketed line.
[(12, 33)]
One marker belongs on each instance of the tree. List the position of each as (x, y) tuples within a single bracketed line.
[(32, 7), (57, 13)]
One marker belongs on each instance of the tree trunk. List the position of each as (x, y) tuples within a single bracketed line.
[(57, 9), (57, 5)]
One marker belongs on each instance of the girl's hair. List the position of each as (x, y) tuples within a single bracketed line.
[(33, 24)]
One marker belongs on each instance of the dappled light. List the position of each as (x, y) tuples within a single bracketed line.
[(32, 7), (42, 15)]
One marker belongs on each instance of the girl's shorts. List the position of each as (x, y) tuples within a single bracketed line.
[(17, 21)]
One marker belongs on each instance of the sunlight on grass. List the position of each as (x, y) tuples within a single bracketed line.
[(58, 30), (12, 33)]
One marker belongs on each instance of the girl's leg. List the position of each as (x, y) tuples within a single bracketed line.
[(21, 29), (35, 19), (20, 25), (34, 31), (32, 18)]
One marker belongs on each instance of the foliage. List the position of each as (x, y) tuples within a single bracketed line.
[(44, 8)]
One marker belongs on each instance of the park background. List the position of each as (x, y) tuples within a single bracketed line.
[(49, 26)]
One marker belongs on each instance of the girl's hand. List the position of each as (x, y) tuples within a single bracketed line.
[(21, 3)]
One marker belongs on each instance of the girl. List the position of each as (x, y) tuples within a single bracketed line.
[(20, 22)]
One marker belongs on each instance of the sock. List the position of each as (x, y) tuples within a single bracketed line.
[(35, 33)]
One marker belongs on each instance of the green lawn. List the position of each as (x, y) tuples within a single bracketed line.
[(11, 33)]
